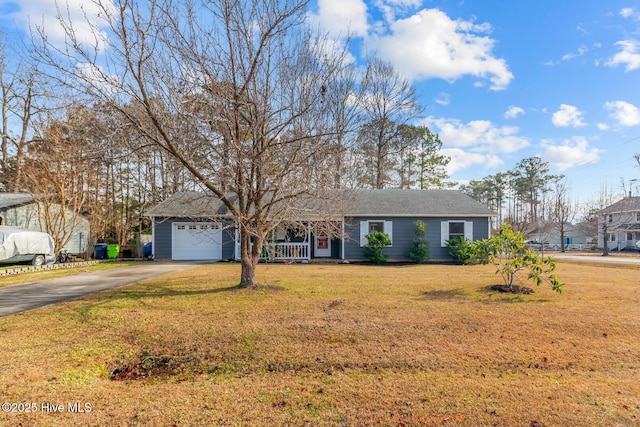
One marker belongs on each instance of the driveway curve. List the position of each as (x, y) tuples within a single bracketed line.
[(27, 296)]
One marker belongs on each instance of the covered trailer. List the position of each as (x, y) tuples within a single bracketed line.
[(21, 245)]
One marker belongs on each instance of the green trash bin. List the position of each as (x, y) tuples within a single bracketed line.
[(113, 251)]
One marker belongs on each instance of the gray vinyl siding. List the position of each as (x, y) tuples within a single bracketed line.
[(163, 233), (404, 233)]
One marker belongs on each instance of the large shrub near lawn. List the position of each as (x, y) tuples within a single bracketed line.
[(376, 243), (461, 250), (420, 252)]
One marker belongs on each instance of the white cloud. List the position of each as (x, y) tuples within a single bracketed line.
[(478, 142), (603, 126), (391, 8), (461, 159), (343, 17), (628, 56), (430, 44), (43, 14), (443, 99), (581, 51), (477, 135), (624, 113), (513, 112), (566, 116), (570, 153), (627, 12)]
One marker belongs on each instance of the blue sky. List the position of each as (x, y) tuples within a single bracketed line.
[(501, 80), (506, 80)]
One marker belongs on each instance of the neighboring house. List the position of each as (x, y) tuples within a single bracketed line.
[(190, 226), (20, 210), (549, 234), (620, 222)]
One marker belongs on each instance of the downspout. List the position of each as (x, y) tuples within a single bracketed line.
[(153, 237)]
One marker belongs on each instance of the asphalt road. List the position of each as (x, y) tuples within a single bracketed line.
[(18, 298), (597, 259)]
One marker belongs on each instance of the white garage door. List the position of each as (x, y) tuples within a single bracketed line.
[(196, 241)]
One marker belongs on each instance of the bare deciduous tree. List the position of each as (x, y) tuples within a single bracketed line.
[(56, 166), (389, 101), (563, 209), (20, 92), (234, 91)]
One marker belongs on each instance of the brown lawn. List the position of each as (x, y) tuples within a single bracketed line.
[(334, 345)]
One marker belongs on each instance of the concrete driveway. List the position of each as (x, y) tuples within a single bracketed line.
[(18, 298)]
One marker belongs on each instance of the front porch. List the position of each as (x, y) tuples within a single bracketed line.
[(626, 238), (313, 240)]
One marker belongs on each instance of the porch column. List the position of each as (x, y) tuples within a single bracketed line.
[(309, 240)]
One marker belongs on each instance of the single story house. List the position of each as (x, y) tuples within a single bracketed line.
[(549, 234), (193, 226), (620, 222), (21, 210)]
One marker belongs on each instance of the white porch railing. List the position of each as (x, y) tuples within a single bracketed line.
[(288, 251), (281, 251)]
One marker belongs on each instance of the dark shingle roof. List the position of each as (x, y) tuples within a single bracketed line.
[(189, 204), (393, 202), (365, 203)]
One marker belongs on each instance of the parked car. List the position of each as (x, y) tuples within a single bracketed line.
[(19, 245)]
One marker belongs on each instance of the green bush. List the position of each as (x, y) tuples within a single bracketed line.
[(508, 252), (461, 250), (373, 249), (420, 252)]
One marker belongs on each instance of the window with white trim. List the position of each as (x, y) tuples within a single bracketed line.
[(638, 217), (612, 237), (371, 226), (453, 229)]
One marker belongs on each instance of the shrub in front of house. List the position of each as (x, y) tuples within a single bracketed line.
[(461, 250), (420, 252), (376, 243)]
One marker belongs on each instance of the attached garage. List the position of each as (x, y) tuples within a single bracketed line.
[(196, 241)]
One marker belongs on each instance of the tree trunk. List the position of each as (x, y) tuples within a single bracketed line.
[(248, 272), (605, 241), (249, 256)]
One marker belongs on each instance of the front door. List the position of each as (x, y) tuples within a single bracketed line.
[(322, 247)]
